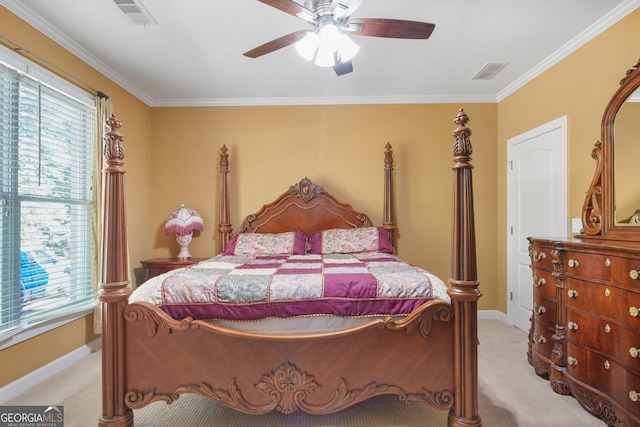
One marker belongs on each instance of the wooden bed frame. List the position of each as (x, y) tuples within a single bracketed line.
[(429, 356)]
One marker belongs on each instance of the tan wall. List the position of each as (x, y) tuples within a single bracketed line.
[(36, 352), (340, 148), (580, 87)]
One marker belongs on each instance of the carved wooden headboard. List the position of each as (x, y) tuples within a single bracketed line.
[(306, 207)]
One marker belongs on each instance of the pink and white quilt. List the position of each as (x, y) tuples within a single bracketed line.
[(278, 286)]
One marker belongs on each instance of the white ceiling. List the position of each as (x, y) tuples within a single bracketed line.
[(193, 56)]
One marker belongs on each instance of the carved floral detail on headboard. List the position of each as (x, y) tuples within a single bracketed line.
[(306, 190)]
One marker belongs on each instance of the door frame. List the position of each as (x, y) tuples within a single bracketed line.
[(559, 123)]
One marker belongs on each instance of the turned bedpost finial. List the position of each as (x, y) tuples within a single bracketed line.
[(461, 134), (113, 150), (388, 157), (224, 159)]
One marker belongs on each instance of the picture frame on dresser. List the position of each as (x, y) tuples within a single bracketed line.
[(585, 323)]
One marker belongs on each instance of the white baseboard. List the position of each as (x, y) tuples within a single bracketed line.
[(493, 315), (33, 378)]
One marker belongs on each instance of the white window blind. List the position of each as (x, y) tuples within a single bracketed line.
[(45, 170)]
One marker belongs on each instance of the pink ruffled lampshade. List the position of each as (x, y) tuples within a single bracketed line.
[(182, 222)]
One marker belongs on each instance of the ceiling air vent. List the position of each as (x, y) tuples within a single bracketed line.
[(136, 11), (489, 71)]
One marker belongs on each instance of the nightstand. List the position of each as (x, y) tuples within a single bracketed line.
[(155, 266)]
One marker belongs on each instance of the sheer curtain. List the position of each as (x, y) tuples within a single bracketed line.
[(104, 109)]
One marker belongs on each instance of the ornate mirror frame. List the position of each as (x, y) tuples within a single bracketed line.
[(598, 211)]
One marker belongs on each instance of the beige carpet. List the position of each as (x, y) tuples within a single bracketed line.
[(510, 395)]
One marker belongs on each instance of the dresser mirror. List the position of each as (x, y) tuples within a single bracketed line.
[(612, 205), (626, 154)]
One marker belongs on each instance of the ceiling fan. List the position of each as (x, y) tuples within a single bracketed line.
[(328, 43)]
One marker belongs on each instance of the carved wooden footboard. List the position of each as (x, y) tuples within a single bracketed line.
[(316, 373), (429, 356)]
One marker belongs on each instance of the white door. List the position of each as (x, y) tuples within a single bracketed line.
[(537, 206)]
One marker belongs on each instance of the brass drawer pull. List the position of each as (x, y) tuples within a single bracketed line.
[(607, 292), (607, 365), (634, 352), (573, 326), (541, 309), (607, 262), (572, 293), (538, 339), (572, 361), (607, 328), (634, 274), (634, 311), (539, 256), (539, 282), (634, 395), (573, 263)]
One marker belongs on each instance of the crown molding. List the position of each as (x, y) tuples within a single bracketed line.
[(581, 39)]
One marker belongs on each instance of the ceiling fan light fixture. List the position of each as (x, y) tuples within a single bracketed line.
[(329, 34), (308, 45), (325, 56), (347, 48)]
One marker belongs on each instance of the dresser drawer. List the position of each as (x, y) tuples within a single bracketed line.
[(588, 265), (541, 257), (603, 374), (607, 301), (544, 284), (544, 311), (626, 272), (605, 336), (543, 338)]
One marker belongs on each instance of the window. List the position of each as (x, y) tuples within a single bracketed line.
[(47, 132)]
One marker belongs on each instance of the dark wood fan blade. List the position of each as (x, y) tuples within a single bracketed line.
[(393, 28), (343, 67), (292, 8), (276, 44), (344, 8)]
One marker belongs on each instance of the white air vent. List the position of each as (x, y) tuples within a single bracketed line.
[(136, 11), (489, 71)]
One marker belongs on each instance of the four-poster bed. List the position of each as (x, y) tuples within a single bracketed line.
[(428, 355)]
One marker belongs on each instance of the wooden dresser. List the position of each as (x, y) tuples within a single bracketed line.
[(585, 324), (593, 349)]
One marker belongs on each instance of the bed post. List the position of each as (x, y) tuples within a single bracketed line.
[(388, 219), (114, 285), (224, 226), (463, 285)]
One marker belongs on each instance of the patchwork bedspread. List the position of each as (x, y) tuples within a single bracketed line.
[(259, 287)]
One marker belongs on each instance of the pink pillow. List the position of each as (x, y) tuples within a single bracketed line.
[(288, 243), (351, 240)]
